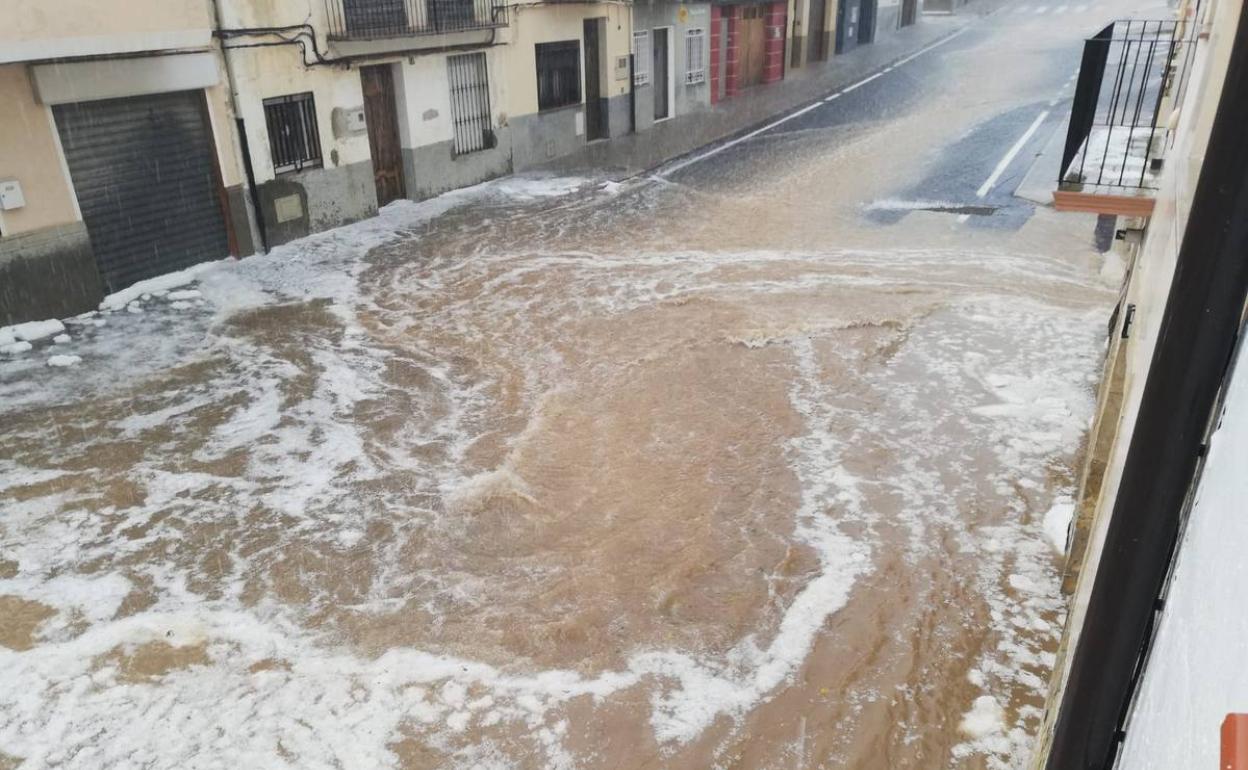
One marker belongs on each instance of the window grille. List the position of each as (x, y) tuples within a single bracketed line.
[(293, 139), (470, 102), (695, 56), (641, 57), (558, 74)]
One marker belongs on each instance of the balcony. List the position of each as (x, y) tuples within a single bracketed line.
[(363, 20), (1132, 77)]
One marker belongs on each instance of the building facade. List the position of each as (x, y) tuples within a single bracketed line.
[(1150, 657), (671, 60), (117, 148), (747, 46), (567, 78), (362, 103)]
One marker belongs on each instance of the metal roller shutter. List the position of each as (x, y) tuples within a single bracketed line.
[(145, 175)]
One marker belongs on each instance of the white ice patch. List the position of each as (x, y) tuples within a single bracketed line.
[(62, 339), (31, 331), (123, 298), (63, 361), (1057, 522), (16, 348), (985, 717)]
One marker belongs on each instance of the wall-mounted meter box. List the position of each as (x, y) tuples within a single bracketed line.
[(348, 121), (11, 196)]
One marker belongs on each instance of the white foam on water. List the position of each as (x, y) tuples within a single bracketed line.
[(329, 705)]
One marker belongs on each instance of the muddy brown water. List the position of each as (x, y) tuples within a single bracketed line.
[(690, 474)]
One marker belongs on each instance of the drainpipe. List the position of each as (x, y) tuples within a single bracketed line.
[(243, 158)]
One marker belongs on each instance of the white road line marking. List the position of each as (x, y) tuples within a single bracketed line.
[(1005, 161), (726, 145), (862, 82)]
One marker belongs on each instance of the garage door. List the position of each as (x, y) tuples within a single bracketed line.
[(145, 174)]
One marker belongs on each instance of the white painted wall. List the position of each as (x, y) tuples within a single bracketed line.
[(422, 87), (262, 73), (1198, 669)]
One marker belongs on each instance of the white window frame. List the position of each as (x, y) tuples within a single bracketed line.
[(695, 48), (641, 57)]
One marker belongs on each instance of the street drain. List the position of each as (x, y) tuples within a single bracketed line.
[(979, 211), (940, 207)]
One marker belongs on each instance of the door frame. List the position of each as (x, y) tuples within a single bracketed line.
[(671, 70)]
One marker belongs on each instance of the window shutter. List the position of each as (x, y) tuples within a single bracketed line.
[(641, 57), (695, 56)]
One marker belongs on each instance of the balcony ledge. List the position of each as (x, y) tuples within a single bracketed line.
[(413, 41), (1102, 200)]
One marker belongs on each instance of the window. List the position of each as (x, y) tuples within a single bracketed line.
[(695, 56), (470, 102), (293, 139), (641, 57), (558, 74)]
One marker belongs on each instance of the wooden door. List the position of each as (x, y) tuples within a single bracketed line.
[(595, 117), (816, 47), (383, 132), (753, 43)]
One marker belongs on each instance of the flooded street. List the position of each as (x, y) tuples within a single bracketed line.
[(742, 463)]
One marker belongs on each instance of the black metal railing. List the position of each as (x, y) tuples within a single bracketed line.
[(376, 19), (1128, 71)]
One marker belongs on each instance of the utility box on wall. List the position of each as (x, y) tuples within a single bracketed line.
[(11, 196), (348, 121)]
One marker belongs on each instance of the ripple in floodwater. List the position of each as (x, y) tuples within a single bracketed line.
[(460, 503)]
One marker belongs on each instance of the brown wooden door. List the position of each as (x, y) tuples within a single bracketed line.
[(383, 132), (753, 42)]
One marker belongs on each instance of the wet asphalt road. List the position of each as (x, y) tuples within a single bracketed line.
[(956, 171)]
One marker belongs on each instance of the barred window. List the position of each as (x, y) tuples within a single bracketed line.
[(293, 139), (641, 57), (470, 102), (558, 74), (695, 56)]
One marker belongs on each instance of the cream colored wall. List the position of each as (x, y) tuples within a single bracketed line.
[(1149, 288), (47, 29), (261, 73), (550, 23), (30, 152)]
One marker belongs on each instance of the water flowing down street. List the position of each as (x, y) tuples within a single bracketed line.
[(741, 463)]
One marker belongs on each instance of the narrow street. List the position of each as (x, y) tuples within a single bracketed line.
[(740, 463)]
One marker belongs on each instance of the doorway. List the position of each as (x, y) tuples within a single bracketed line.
[(816, 45), (909, 10), (595, 108), (752, 44), (847, 25), (866, 22), (383, 132), (660, 51)]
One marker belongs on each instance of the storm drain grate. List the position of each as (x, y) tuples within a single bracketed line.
[(937, 206)]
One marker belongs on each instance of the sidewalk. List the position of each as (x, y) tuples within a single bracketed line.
[(633, 153)]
